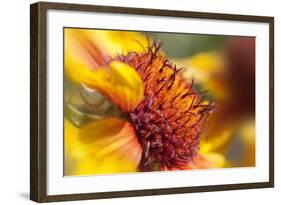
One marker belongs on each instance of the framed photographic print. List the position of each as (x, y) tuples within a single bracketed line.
[(133, 102)]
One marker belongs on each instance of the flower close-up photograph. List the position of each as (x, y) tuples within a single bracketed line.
[(149, 101)]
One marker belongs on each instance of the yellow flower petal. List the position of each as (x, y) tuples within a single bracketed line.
[(208, 69), (119, 42), (85, 51), (101, 147), (216, 141), (207, 61), (91, 47), (120, 83), (81, 50)]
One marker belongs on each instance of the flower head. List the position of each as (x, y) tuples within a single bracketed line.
[(162, 116), (170, 119)]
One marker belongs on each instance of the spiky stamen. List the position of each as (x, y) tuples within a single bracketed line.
[(170, 119)]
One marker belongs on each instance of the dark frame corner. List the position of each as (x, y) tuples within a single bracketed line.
[(38, 101)]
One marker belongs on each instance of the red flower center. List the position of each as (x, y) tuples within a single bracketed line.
[(171, 117)]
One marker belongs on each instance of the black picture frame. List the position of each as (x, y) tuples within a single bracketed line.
[(38, 103)]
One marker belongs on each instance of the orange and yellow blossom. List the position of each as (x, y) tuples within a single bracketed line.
[(163, 116)]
